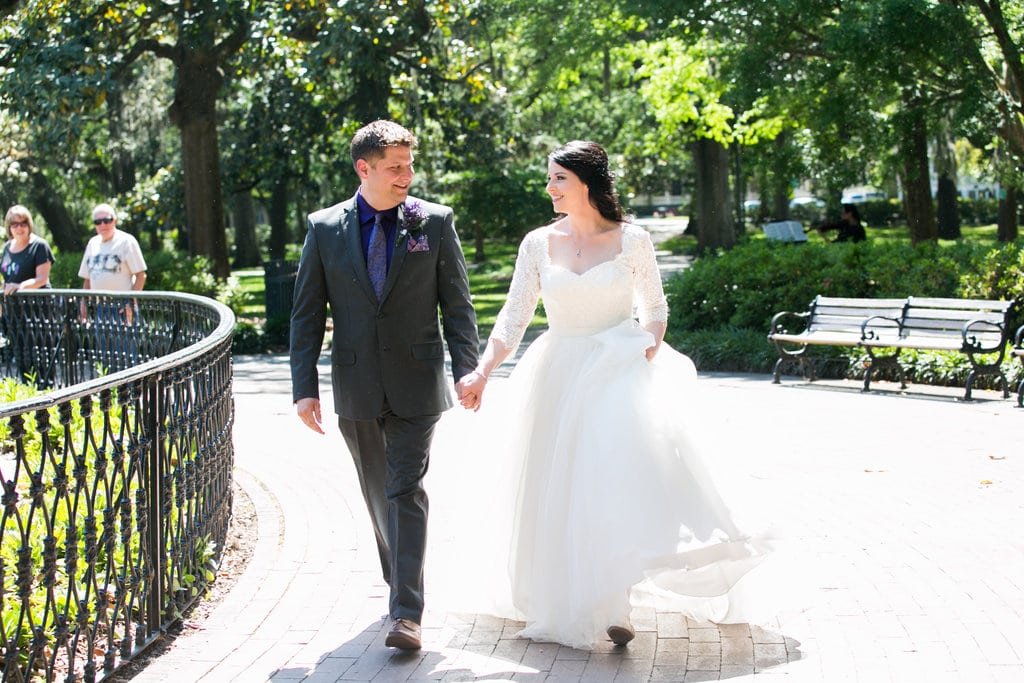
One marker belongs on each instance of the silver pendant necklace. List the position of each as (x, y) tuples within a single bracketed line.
[(579, 249)]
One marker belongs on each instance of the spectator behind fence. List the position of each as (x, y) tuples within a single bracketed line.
[(849, 226), (113, 261), (26, 257), (25, 264)]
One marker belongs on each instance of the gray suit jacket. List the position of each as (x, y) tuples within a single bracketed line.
[(390, 349)]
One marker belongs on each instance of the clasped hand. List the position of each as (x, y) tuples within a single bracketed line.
[(470, 390)]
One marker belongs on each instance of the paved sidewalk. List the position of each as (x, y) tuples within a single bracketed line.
[(908, 511)]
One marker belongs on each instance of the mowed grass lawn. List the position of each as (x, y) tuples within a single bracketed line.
[(251, 282)]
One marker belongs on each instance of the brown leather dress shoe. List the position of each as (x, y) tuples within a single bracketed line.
[(621, 635), (405, 635)]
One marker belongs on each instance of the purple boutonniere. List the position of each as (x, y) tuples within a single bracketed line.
[(413, 219)]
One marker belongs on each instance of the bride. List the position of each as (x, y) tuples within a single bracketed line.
[(610, 504)]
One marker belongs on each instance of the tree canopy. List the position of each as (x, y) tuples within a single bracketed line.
[(198, 118)]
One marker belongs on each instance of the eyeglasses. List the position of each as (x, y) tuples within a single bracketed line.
[(102, 221), (19, 224)]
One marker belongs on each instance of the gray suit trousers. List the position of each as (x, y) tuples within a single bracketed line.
[(391, 455)]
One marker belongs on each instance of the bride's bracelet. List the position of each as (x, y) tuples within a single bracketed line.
[(478, 373)]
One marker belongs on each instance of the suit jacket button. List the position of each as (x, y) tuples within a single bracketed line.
[(386, 348)]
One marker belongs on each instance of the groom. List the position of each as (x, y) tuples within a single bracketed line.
[(385, 263)]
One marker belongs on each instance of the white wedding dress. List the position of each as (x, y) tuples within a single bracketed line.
[(596, 499)]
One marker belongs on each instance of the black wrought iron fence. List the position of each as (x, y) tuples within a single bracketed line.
[(116, 476)]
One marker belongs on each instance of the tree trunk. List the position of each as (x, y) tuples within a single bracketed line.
[(194, 113), (713, 212), (948, 216), (739, 190), (917, 191), (67, 235), (692, 224), (278, 211), (1007, 230), (372, 87), (247, 248), (478, 244), (122, 161), (780, 180)]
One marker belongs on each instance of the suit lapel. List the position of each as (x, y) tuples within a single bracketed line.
[(351, 237), (398, 255)]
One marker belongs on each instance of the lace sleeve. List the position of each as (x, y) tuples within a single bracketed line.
[(523, 293), (651, 305)]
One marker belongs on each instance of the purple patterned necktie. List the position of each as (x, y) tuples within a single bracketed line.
[(377, 256)]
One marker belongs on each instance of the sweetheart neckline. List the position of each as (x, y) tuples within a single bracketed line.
[(593, 267)]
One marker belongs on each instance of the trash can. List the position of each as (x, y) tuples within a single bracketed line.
[(279, 287)]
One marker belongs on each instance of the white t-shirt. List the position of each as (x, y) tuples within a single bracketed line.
[(110, 265)]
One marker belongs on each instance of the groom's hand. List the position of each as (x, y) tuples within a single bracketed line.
[(308, 410)]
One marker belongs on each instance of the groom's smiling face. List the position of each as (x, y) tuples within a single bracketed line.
[(385, 181)]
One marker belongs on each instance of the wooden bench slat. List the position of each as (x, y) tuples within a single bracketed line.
[(964, 304), (821, 339), (928, 343), (952, 326), (859, 314), (853, 321), (856, 302), (926, 333), (914, 314)]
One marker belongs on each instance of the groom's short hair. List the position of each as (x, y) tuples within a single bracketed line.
[(371, 140)]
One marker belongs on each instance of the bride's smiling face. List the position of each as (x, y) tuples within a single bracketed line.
[(568, 193)]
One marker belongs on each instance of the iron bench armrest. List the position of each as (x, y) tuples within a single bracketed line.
[(867, 334), (972, 344), (776, 324)]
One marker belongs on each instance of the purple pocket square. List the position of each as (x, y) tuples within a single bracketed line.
[(417, 244)]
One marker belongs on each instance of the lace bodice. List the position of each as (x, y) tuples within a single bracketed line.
[(595, 300)]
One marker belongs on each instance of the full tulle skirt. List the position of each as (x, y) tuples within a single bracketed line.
[(593, 496)]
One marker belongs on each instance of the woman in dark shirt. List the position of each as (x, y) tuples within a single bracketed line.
[(25, 264), (26, 258)]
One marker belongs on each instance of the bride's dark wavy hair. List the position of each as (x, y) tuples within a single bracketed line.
[(590, 162)]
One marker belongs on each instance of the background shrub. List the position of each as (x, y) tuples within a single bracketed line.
[(727, 349), (275, 333), (745, 286), (721, 307), (998, 273), (247, 338)]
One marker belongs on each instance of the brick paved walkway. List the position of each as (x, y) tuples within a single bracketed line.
[(910, 521)]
